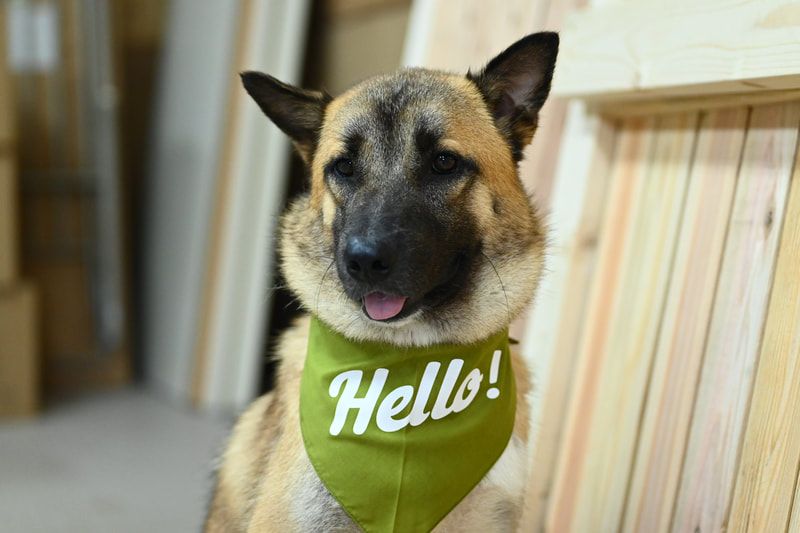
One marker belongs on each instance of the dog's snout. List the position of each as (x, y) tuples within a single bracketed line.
[(367, 260)]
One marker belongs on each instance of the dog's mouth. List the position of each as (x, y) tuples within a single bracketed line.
[(388, 307)]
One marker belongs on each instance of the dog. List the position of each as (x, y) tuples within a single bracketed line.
[(417, 230)]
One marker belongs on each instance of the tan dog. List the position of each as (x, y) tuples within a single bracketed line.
[(417, 230)]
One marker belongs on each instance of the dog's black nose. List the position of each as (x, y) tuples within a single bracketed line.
[(367, 260)]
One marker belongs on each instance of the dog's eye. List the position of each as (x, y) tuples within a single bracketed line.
[(344, 167), (445, 163)]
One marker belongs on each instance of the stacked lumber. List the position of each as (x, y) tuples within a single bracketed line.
[(60, 203), (19, 355)]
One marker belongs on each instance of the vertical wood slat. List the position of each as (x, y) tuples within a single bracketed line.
[(737, 319), (73, 65), (9, 267), (225, 173), (771, 451), (794, 521), (628, 172), (684, 326), (635, 323), (554, 323)]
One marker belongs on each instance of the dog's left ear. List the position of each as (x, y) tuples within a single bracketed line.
[(515, 85)]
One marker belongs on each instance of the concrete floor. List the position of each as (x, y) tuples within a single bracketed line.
[(121, 462)]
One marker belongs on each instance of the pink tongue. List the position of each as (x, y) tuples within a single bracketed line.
[(382, 306)]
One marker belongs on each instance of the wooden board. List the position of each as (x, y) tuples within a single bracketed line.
[(770, 459), (737, 320), (555, 325), (680, 47), (223, 184), (628, 174), (666, 417), (257, 155), (583, 177), (58, 211), (9, 241), (794, 523), (19, 354), (186, 138), (627, 354)]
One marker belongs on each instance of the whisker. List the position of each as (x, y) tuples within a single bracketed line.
[(293, 300), (502, 286), (319, 287), (305, 256), (355, 319)]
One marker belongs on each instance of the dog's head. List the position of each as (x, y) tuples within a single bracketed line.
[(417, 229)]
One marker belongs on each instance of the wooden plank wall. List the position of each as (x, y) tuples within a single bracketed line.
[(684, 413), (680, 345), (771, 449), (734, 332)]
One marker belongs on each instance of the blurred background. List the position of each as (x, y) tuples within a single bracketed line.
[(139, 190), (139, 299)]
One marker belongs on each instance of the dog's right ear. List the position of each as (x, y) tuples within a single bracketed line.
[(297, 112)]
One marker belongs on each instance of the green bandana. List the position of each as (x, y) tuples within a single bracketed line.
[(400, 435)]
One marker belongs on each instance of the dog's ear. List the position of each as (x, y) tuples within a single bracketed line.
[(515, 85), (297, 112)]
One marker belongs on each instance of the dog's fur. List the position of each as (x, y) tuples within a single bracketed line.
[(469, 253)]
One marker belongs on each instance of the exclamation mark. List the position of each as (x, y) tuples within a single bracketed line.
[(494, 392)]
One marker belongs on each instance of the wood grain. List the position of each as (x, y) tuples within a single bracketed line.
[(9, 241), (794, 522), (635, 320), (765, 484), (737, 320), (555, 322), (670, 398), (629, 169), (702, 102), (680, 48)]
